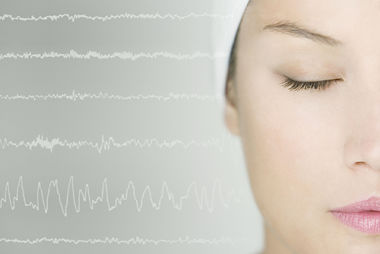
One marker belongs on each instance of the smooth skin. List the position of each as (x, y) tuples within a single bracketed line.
[(309, 151)]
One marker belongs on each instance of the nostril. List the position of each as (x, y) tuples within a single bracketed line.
[(362, 164)]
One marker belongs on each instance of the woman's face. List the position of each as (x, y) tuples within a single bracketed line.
[(310, 151)]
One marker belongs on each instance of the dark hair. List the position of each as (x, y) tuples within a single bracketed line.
[(232, 62), (230, 80)]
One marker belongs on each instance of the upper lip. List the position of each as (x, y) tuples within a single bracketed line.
[(370, 204)]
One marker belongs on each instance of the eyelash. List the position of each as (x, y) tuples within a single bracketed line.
[(295, 85)]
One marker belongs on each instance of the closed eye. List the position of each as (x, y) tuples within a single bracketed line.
[(295, 85)]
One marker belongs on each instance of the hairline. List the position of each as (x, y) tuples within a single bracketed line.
[(231, 73)]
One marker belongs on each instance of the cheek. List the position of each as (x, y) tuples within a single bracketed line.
[(288, 139), (280, 149)]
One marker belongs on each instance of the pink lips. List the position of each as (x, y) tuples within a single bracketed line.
[(363, 216)]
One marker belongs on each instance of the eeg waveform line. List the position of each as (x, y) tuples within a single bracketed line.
[(75, 17), (131, 241), (204, 201), (123, 55), (106, 144), (78, 96)]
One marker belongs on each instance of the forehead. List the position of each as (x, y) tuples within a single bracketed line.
[(356, 23), (329, 16)]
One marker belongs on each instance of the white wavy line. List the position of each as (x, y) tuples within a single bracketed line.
[(132, 241), (203, 199), (107, 143), (77, 96), (124, 55), (75, 17)]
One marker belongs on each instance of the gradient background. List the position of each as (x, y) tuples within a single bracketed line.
[(207, 210)]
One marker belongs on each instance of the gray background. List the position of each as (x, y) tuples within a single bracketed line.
[(60, 179)]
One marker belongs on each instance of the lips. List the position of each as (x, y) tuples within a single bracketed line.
[(363, 216)]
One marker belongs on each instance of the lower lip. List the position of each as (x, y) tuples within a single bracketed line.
[(366, 221)]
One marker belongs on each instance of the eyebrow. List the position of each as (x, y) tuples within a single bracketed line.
[(291, 28)]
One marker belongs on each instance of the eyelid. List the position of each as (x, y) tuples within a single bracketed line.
[(293, 84), (311, 81), (338, 78)]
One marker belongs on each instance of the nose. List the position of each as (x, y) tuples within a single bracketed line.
[(362, 147)]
